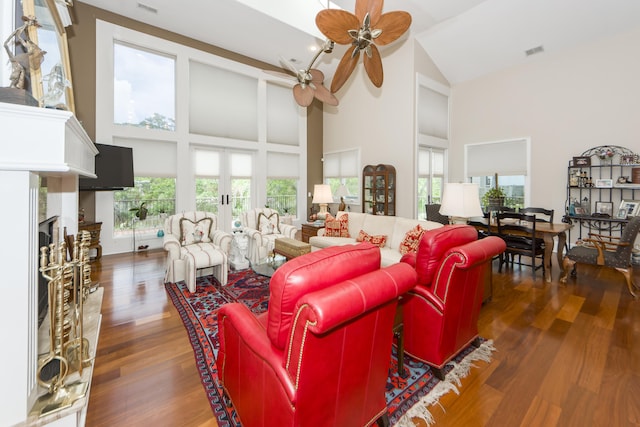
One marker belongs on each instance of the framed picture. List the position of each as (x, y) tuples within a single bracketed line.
[(580, 210), (631, 207), (604, 208), (604, 183), (622, 214), (582, 161)]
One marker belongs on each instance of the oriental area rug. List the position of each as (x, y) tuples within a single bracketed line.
[(406, 397)]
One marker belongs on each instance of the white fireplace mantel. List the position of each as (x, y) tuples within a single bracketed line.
[(34, 142)]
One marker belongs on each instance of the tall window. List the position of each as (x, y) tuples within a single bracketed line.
[(432, 135), (153, 194), (138, 99), (154, 164), (506, 160), (282, 182), (342, 169), (431, 163)]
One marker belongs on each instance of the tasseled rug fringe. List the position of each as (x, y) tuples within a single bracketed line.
[(451, 383)]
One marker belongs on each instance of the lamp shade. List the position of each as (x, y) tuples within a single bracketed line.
[(322, 194), (461, 200), (342, 191)]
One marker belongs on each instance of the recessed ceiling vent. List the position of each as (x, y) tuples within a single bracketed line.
[(148, 8), (534, 50)]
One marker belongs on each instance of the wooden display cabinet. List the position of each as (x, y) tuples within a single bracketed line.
[(379, 190)]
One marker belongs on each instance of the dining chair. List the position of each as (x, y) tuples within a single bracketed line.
[(518, 231), (433, 214), (542, 214)]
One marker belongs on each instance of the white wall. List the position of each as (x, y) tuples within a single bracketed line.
[(381, 121), (566, 103)]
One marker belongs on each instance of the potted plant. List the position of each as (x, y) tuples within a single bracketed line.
[(141, 211), (493, 198)]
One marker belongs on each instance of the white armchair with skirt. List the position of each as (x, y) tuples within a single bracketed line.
[(194, 242), (263, 226)]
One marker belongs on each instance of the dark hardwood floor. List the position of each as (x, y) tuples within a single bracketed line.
[(566, 356)]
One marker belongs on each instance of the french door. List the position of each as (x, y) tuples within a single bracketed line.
[(224, 183)]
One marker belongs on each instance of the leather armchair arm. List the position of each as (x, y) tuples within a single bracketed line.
[(241, 329), (329, 307), (409, 258), (425, 293), (171, 244)]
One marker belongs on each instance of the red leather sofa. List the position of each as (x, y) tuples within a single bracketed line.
[(441, 313), (320, 355)]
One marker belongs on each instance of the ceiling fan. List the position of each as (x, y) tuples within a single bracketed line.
[(309, 80), (368, 27)]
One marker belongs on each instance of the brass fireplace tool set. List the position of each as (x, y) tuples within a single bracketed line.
[(69, 283)]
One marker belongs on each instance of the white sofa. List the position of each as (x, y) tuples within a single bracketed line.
[(395, 228)]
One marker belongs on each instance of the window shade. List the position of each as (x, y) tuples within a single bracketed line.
[(206, 163), (503, 158), (282, 116), (283, 165), (433, 113), (151, 158), (341, 164)]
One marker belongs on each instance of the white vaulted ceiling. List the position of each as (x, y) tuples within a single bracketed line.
[(465, 38)]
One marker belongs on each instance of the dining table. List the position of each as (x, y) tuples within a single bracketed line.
[(547, 231)]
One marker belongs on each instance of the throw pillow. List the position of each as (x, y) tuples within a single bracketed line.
[(269, 224), (378, 240), (337, 227), (195, 231), (411, 240)]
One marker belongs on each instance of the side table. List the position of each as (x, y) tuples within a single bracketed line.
[(239, 246), (94, 229), (310, 229)]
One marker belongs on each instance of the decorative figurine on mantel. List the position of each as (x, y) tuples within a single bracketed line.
[(30, 59)]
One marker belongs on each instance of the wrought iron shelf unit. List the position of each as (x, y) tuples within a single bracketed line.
[(597, 182)]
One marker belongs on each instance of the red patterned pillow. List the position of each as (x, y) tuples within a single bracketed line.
[(336, 227), (411, 240), (378, 240)]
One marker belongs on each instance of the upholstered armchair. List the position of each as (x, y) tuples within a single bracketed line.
[(193, 241), (263, 227), (441, 313), (606, 251), (320, 355)]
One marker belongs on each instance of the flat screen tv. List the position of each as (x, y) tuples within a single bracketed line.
[(114, 168)]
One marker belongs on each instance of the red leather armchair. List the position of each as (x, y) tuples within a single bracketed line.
[(441, 313), (320, 355)]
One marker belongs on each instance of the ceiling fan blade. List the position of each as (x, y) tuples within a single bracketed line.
[(303, 95), (317, 76), (345, 68), (393, 25), (373, 66), (372, 7), (334, 24), (323, 94), (281, 75)]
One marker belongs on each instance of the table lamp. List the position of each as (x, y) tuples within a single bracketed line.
[(322, 196), (460, 201)]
